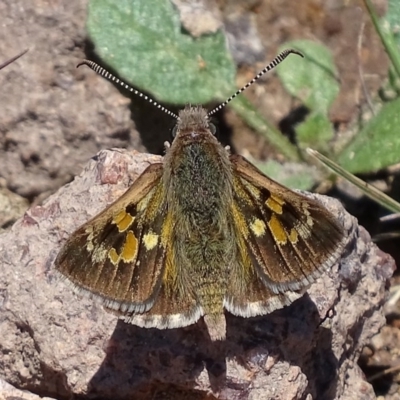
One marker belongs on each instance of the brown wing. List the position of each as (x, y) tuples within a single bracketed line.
[(118, 256), (252, 297), (171, 309), (286, 240)]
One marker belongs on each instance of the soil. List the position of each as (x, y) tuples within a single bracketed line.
[(54, 118)]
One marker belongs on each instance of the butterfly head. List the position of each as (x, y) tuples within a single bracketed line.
[(193, 122)]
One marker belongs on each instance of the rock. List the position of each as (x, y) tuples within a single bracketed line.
[(199, 17), (53, 117), (8, 392), (12, 206), (58, 344)]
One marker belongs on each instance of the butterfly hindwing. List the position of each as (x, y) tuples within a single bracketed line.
[(252, 297), (170, 310)]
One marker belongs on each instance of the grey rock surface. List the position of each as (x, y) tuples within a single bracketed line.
[(52, 119), (9, 392), (57, 344), (52, 343)]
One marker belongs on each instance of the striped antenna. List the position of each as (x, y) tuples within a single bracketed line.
[(277, 60), (104, 73)]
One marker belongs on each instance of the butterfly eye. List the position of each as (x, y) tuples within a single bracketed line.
[(174, 131), (213, 128)]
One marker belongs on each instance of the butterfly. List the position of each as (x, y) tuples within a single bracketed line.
[(201, 233)]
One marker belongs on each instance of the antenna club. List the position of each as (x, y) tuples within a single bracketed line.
[(84, 62)]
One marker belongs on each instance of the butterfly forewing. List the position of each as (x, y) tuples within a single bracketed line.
[(288, 239), (118, 256)]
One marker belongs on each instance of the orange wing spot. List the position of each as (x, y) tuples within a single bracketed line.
[(113, 256), (125, 222), (277, 230), (130, 250), (119, 217), (275, 204), (293, 237)]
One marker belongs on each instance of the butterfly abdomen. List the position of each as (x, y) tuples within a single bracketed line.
[(199, 193)]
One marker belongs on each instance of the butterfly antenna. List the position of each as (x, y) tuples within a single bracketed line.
[(277, 60), (112, 78)]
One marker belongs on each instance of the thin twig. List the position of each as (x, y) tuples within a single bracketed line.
[(360, 69), (12, 59), (383, 373)]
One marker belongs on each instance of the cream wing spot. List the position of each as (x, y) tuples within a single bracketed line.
[(89, 243), (303, 231), (310, 221), (150, 240), (169, 321), (258, 227)]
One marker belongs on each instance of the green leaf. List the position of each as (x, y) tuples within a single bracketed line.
[(385, 32), (393, 17), (377, 145), (313, 81), (315, 131), (144, 42), (293, 175)]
